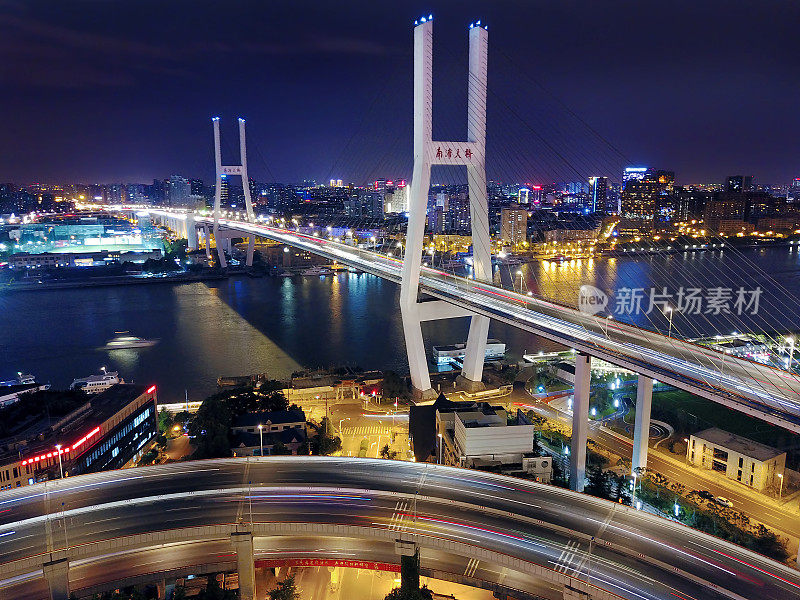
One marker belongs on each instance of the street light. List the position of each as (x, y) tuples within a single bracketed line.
[(780, 491), (790, 340), (261, 437), (440, 449), (669, 311), (60, 467), (340, 424)]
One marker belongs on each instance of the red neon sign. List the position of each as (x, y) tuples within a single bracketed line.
[(63, 450), (151, 389)]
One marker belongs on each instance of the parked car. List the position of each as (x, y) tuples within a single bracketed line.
[(704, 494), (723, 501)]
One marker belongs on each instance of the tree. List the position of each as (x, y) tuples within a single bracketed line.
[(165, 421), (393, 386), (213, 591), (280, 449), (388, 453), (210, 427), (285, 590)]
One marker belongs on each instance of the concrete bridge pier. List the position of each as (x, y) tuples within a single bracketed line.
[(207, 238), (191, 233), (580, 422), (641, 427), (243, 545), (57, 574), (251, 246)]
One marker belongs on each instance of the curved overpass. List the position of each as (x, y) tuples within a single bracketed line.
[(759, 390), (540, 537)]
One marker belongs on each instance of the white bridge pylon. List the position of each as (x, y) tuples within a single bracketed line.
[(223, 172), (427, 152)]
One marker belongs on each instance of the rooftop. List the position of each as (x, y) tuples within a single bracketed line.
[(254, 419), (738, 444), (43, 433)]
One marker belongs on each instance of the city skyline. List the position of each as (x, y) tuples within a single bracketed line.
[(124, 97)]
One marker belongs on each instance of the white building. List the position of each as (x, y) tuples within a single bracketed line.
[(753, 464), (483, 435), (495, 350)]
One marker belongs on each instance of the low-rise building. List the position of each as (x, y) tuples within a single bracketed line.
[(495, 350), (252, 431), (479, 434), (756, 465), (108, 431)]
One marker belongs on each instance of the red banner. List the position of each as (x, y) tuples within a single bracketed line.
[(326, 562)]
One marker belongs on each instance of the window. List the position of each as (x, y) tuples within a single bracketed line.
[(720, 455), (751, 480), (739, 475), (752, 467), (741, 462)]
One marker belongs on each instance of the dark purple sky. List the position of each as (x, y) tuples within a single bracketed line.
[(124, 91)]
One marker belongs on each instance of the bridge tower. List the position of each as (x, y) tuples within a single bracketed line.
[(427, 152), (223, 172)]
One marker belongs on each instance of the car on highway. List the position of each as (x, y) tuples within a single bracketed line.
[(723, 501)]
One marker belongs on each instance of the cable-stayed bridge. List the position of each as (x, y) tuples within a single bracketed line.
[(428, 294)]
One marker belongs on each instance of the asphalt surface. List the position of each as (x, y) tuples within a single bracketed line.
[(366, 492), (751, 387)]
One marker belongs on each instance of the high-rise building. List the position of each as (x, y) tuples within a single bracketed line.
[(599, 193), (633, 173), (196, 187), (739, 183), (513, 226), (640, 199), (178, 191)]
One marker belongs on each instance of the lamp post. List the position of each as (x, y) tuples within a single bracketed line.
[(669, 311), (687, 449), (790, 340), (780, 491), (340, 424), (440, 449), (261, 437), (520, 280), (60, 466)]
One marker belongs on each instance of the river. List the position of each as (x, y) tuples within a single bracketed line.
[(280, 325)]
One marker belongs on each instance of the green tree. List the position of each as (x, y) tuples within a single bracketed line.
[(213, 591), (285, 590), (387, 453), (210, 427), (280, 449), (599, 484), (165, 421), (393, 386)]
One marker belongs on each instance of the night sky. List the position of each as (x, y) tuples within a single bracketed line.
[(108, 91)]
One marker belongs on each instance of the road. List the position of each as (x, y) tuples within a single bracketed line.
[(543, 525), (786, 522), (755, 389)]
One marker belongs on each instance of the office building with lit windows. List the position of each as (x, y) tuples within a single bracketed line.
[(108, 431)]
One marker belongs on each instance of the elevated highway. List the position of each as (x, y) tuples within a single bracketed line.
[(770, 394), (543, 538)]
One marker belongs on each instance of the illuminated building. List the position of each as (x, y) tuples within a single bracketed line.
[(599, 193), (739, 183), (513, 226), (633, 173), (108, 431)]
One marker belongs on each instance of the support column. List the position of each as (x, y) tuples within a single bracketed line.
[(57, 575), (251, 246), (418, 202), (191, 233), (218, 192), (580, 422), (243, 544), (475, 354), (641, 428), (208, 241)]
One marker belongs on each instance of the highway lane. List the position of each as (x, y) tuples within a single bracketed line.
[(219, 554), (751, 387), (220, 493)]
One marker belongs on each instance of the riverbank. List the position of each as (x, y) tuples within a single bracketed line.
[(109, 281)]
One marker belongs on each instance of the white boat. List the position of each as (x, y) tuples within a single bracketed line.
[(94, 384), (125, 340), (318, 271)]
